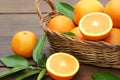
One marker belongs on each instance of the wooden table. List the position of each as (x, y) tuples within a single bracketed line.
[(17, 15)]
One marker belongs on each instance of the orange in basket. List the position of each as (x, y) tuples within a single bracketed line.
[(112, 9), (86, 6), (114, 37), (61, 24), (77, 32), (62, 66), (95, 26)]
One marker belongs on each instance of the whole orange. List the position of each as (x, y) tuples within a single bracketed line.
[(77, 32), (114, 37), (112, 9), (23, 43), (86, 6), (61, 24)]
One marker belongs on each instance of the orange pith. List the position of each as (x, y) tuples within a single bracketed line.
[(95, 26), (62, 66)]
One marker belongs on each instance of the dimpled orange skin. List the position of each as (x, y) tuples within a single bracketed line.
[(114, 36), (23, 43), (61, 24), (86, 6), (77, 32), (112, 8)]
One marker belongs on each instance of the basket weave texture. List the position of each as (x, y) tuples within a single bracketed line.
[(97, 53)]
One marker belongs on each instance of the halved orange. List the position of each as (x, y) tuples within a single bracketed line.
[(62, 66), (95, 26)]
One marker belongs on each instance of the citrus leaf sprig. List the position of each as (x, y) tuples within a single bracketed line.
[(104, 76), (14, 61), (17, 63), (38, 48), (41, 74), (65, 9), (69, 34), (11, 71), (42, 61), (40, 58), (23, 76)]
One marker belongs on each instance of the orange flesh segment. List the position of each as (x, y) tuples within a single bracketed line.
[(62, 64), (95, 24)]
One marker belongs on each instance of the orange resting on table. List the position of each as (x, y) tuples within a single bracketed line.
[(23, 43), (95, 26), (114, 36), (86, 6), (77, 32), (61, 24), (62, 66)]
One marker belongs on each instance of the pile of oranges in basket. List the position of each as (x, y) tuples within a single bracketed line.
[(92, 21)]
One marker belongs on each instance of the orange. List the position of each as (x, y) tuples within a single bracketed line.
[(23, 43), (62, 66), (114, 37), (95, 26), (112, 9), (86, 6), (77, 32), (61, 24)]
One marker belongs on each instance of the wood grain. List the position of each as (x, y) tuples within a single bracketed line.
[(28, 6), (17, 15)]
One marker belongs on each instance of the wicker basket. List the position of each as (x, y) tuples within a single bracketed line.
[(96, 53)]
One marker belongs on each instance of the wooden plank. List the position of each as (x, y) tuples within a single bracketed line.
[(84, 73), (28, 6), (16, 6), (10, 24)]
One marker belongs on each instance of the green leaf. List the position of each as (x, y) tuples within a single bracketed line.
[(23, 76), (105, 76), (38, 48), (69, 34), (14, 61), (65, 9), (11, 71), (41, 74), (42, 61)]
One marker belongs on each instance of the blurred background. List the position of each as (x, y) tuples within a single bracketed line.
[(25, 6)]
